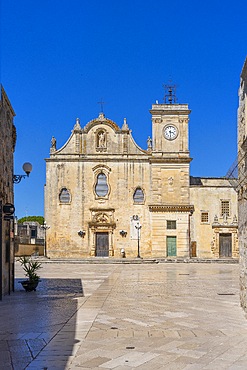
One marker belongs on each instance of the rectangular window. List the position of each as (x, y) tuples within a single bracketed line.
[(22, 230), (225, 208), (171, 225), (34, 232), (204, 217)]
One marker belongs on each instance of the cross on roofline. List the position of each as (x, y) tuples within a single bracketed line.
[(101, 105)]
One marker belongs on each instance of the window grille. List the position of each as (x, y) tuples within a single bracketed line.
[(101, 187), (204, 217), (225, 208), (171, 224), (64, 196)]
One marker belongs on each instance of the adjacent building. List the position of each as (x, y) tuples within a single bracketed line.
[(7, 147), (107, 197), (29, 239), (214, 221), (242, 185)]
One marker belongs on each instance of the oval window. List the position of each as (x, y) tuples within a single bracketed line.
[(64, 196), (101, 187), (138, 196)]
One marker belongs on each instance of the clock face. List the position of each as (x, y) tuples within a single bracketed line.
[(170, 132)]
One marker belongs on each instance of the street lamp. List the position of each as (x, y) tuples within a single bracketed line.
[(45, 227), (81, 233), (138, 227), (27, 167), (123, 233)]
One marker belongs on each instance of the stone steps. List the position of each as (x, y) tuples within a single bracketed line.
[(107, 260)]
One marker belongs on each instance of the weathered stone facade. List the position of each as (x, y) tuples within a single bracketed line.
[(7, 147), (214, 223), (242, 187), (101, 187)]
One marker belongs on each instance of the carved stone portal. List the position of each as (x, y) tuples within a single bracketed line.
[(101, 227)]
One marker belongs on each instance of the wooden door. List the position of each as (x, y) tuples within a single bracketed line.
[(193, 249), (225, 245), (171, 243), (102, 244)]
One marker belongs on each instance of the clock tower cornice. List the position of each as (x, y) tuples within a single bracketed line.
[(170, 109)]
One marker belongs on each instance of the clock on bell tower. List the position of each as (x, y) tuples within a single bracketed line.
[(170, 127)]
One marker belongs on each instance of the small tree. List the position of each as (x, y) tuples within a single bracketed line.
[(39, 219)]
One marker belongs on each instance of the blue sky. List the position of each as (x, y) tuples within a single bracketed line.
[(59, 58)]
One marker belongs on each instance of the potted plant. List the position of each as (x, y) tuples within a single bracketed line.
[(30, 267)]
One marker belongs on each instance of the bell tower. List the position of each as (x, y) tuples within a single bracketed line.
[(170, 126)]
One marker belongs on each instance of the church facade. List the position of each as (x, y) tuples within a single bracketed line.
[(107, 197)]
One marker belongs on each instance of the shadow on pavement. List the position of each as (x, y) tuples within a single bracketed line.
[(32, 319)]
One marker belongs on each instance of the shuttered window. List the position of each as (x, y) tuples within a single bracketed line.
[(101, 187), (225, 208), (171, 224), (204, 217), (138, 196)]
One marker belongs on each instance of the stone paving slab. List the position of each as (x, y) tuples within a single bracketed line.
[(126, 316)]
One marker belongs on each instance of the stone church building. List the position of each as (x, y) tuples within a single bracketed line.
[(107, 197)]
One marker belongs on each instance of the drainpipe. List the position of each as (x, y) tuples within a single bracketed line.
[(189, 232)]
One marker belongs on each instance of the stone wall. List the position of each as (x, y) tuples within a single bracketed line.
[(242, 188), (7, 147), (29, 250)]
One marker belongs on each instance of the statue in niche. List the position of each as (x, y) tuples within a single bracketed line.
[(101, 139), (149, 143), (53, 143), (225, 218)]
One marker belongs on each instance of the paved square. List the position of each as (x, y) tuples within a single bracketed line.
[(126, 316)]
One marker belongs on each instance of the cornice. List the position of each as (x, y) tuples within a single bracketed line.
[(170, 109), (115, 158), (97, 209), (170, 160), (171, 208), (224, 226), (111, 225), (97, 158)]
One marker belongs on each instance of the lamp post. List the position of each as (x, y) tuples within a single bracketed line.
[(27, 167), (138, 227), (45, 227)]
